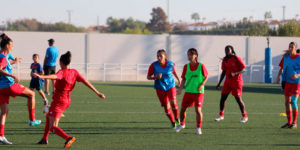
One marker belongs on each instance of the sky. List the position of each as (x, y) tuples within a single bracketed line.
[(84, 12)]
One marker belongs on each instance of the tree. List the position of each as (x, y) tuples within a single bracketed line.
[(196, 17), (268, 15), (125, 25), (158, 23)]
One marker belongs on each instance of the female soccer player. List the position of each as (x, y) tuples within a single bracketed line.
[(194, 77), (161, 72), (290, 83), (9, 86), (232, 67), (65, 82)]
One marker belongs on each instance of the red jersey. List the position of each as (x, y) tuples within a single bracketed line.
[(193, 68), (3, 62), (151, 68), (231, 65), (282, 60), (65, 83)]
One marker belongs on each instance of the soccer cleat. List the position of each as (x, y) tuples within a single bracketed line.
[(199, 131), (35, 123), (177, 122), (69, 142), (46, 110), (62, 115), (43, 142), (244, 120), (293, 126), (173, 126), (286, 125), (178, 128), (219, 118), (4, 140), (47, 93)]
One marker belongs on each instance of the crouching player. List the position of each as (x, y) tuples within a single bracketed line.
[(65, 82), (194, 77)]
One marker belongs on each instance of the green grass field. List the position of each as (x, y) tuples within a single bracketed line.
[(131, 118)]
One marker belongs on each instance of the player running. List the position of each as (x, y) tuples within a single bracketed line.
[(194, 77), (9, 86), (232, 67), (161, 72), (289, 69), (65, 83)]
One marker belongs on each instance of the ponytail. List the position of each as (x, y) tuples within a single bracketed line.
[(66, 58)]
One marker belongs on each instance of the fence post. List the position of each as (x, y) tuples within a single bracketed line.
[(18, 73), (250, 73), (104, 73), (121, 72), (137, 72), (86, 53)]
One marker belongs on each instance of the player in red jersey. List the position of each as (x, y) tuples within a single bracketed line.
[(9, 86), (161, 72), (232, 67), (288, 67), (65, 83), (194, 77)]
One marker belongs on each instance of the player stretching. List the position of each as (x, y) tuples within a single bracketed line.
[(232, 67), (161, 72), (65, 82), (194, 77)]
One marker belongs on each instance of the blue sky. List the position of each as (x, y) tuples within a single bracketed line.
[(85, 12)]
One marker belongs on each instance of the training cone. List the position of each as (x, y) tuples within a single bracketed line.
[(282, 114)]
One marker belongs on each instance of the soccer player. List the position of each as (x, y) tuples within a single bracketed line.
[(290, 83), (65, 83), (37, 83), (50, 63), (161, 72), (9, 86), (232, 67), (194, 77)]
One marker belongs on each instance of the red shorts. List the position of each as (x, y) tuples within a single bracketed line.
[(236, 89), (56, 109), (165, 96), (189, 99), (291, 89), (13, 91)]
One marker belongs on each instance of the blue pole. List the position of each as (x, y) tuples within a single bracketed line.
[(268, 65)]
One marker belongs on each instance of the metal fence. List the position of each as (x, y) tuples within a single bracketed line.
[(138, 72)]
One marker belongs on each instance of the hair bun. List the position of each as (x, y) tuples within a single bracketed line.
[(68, 53), (3, 36)]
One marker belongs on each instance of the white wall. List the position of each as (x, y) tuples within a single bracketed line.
[(130, 50)]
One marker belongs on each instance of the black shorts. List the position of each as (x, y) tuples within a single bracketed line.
[(49, 70), (36, 83)]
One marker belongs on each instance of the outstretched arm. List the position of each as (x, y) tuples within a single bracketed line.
[(52, 76), (89, 85)]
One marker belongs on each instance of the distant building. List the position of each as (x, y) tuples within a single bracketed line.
[(200, 26), (94, 28)]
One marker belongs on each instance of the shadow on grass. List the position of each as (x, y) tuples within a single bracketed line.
[(128, 85)]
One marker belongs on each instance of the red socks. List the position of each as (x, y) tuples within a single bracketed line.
[(182, 122), (46, 131), (2, 130), (199, 124), (289, 116), (295, 116), (221, 113), (244, 115), (31, 114), (170, 115), (60, 132), (175, 111)]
